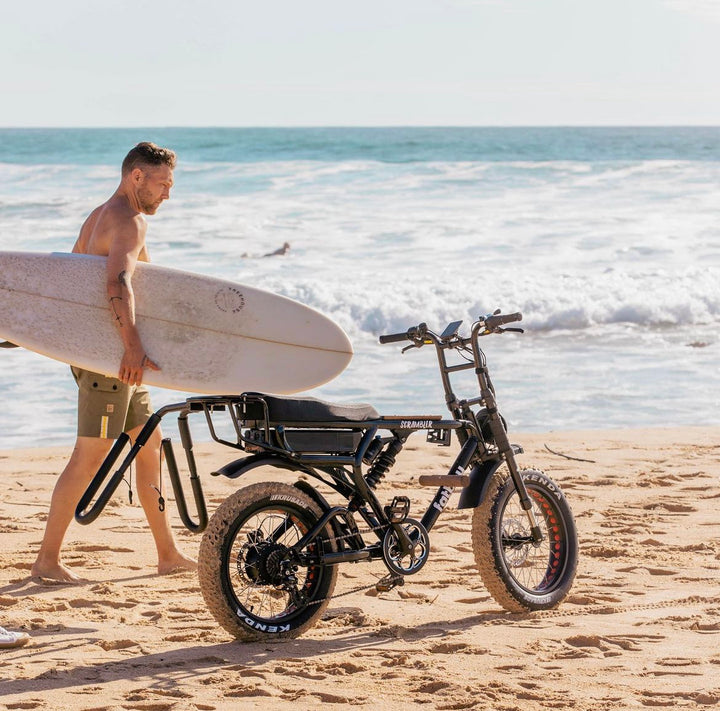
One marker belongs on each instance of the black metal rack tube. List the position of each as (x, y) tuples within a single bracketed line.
[(180, 500), (86, 517)]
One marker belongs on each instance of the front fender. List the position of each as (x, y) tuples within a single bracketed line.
[(237, 468), (480, 476)]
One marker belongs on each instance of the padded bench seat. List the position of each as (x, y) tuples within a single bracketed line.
[(303, 409)]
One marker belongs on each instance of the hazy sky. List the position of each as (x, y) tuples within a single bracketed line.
[(368, 62)]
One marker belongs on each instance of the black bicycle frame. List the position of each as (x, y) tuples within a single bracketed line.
[(350, 484), (342, 471)]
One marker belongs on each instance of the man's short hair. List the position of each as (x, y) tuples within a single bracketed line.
[(148, 154)]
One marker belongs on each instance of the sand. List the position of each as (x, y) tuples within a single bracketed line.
[(640, 629)]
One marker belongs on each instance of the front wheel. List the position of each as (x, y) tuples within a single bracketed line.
[(254, 582), (520, 574)]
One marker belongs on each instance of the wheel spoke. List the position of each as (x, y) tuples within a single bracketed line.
[(528, 563), (255, 564)]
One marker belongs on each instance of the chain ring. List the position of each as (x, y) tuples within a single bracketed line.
[(394, 558)]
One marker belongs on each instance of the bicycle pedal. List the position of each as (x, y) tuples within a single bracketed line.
[(398, 510), (389, 582)]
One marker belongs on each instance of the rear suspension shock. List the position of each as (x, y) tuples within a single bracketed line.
[(383, 463)]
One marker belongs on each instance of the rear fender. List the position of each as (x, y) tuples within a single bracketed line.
[(237, 468)]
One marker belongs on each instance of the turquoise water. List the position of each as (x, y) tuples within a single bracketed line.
[(394, 145), (606, 239)]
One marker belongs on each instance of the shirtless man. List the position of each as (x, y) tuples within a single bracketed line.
[(109, 406)]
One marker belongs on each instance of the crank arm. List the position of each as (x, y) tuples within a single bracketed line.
[(407, 545)]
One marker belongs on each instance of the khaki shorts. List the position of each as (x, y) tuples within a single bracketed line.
[(107, 407)]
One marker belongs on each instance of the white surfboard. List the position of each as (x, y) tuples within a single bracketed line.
[(208, 335)]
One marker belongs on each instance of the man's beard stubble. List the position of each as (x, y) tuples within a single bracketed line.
[(145, 201)]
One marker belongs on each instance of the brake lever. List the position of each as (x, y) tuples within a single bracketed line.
[(511, 330), (419, 343)]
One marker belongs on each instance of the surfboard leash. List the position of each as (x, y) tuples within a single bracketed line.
[(161, 500)]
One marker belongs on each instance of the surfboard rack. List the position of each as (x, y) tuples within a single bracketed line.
[(86, 513)]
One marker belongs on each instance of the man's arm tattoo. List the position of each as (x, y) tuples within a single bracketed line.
[(113, 299), (123, 281)]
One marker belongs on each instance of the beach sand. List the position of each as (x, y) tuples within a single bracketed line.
[(641, 627)]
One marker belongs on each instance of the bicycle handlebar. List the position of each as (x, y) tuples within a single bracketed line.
[(492, 322), (394, 337), (412, 334)]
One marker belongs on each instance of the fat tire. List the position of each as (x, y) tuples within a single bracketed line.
[(217, 563), (555, 560)]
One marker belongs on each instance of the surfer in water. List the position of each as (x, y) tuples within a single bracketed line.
[(109, 406)]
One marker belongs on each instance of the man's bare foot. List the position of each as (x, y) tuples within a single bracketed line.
[(55, 572), (175, 564)]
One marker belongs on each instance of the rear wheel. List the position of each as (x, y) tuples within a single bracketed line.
[(253, 582), (518, 573)]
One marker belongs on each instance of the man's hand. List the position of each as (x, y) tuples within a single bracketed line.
[(133, 364)]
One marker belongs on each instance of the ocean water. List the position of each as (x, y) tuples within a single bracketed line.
[(606, 239)]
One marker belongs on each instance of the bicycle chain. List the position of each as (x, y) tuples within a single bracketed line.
[(384, 584)]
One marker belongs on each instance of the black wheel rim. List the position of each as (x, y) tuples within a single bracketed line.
[(260, 577), (537, 569)]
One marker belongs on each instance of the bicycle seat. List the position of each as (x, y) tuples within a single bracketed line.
[(305, 409)]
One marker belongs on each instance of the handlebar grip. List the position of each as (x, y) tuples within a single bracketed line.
[(394, 338), (501, 319)]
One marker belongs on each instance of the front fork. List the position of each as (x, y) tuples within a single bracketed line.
[(506, 452)]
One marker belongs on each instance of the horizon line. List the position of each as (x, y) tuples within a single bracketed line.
[(350, 126)]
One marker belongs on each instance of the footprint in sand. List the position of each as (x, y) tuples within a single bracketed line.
[(604, 552), (675, 698), (705, 626), (454, 648), (676, 666), (110, 645), (335, 699), (610, 643), (473, 600), (345, 617), (115, 604), (303, 674), (58, 606), (650, 571), (26, 704), (341, 668), (670, 506), (94, 548), (245, 691)]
